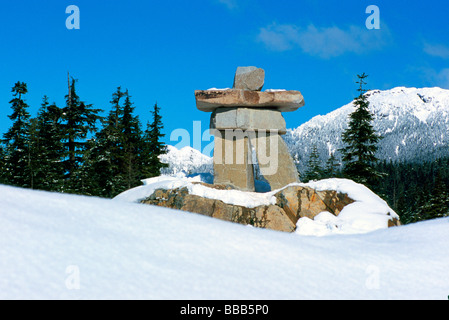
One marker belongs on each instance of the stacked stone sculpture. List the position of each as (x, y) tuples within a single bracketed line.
[(245, 119)]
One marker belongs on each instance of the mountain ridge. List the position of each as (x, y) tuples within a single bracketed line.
[(414, 124)]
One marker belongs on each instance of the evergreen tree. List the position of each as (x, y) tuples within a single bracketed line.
[(416, 191), (2, 165), (436, 204), (17, 140), (79, 120), (56, 152), (132, 144), (153, 147), (117, 156), (47, 148), (33, 152), (106, 152), (361, 141), (314, 170), (332, 167)]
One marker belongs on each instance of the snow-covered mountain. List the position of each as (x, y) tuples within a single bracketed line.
[(414, 124), (186, 161)]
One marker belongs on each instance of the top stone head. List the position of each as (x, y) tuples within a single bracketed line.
[(249, 78)]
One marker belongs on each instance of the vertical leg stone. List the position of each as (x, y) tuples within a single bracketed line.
[(232, 160), (275, 162)]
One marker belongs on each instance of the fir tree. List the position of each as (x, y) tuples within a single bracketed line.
[(132, 144), (2, 165), (436, 204), (314, 170), (361, 141), (416, 191), (47, 148), (106, 152), (332, 167), (33, 152), (153, 147), (79, 120), (17, 140)]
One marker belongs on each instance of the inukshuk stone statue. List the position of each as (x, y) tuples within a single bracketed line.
[(246, 120)]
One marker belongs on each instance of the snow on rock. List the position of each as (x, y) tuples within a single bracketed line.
[(218, 89), (368, 213), (234, 197), (275, 90), (57, 246)]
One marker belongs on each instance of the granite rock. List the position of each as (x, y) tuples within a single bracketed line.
[(284, 101), (248, 119), (249, 78)]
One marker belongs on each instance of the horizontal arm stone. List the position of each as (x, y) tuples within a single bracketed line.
[(284, 101)]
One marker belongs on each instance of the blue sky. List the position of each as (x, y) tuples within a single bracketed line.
[(164, 50)]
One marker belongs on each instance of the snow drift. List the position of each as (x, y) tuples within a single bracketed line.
[(56, 246)]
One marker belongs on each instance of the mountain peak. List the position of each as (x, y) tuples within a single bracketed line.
[(186, 160), (413, 121)]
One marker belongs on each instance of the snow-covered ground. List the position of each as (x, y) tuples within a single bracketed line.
[(56, 246)]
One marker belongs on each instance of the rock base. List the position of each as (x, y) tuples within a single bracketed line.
[(292, 203)]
